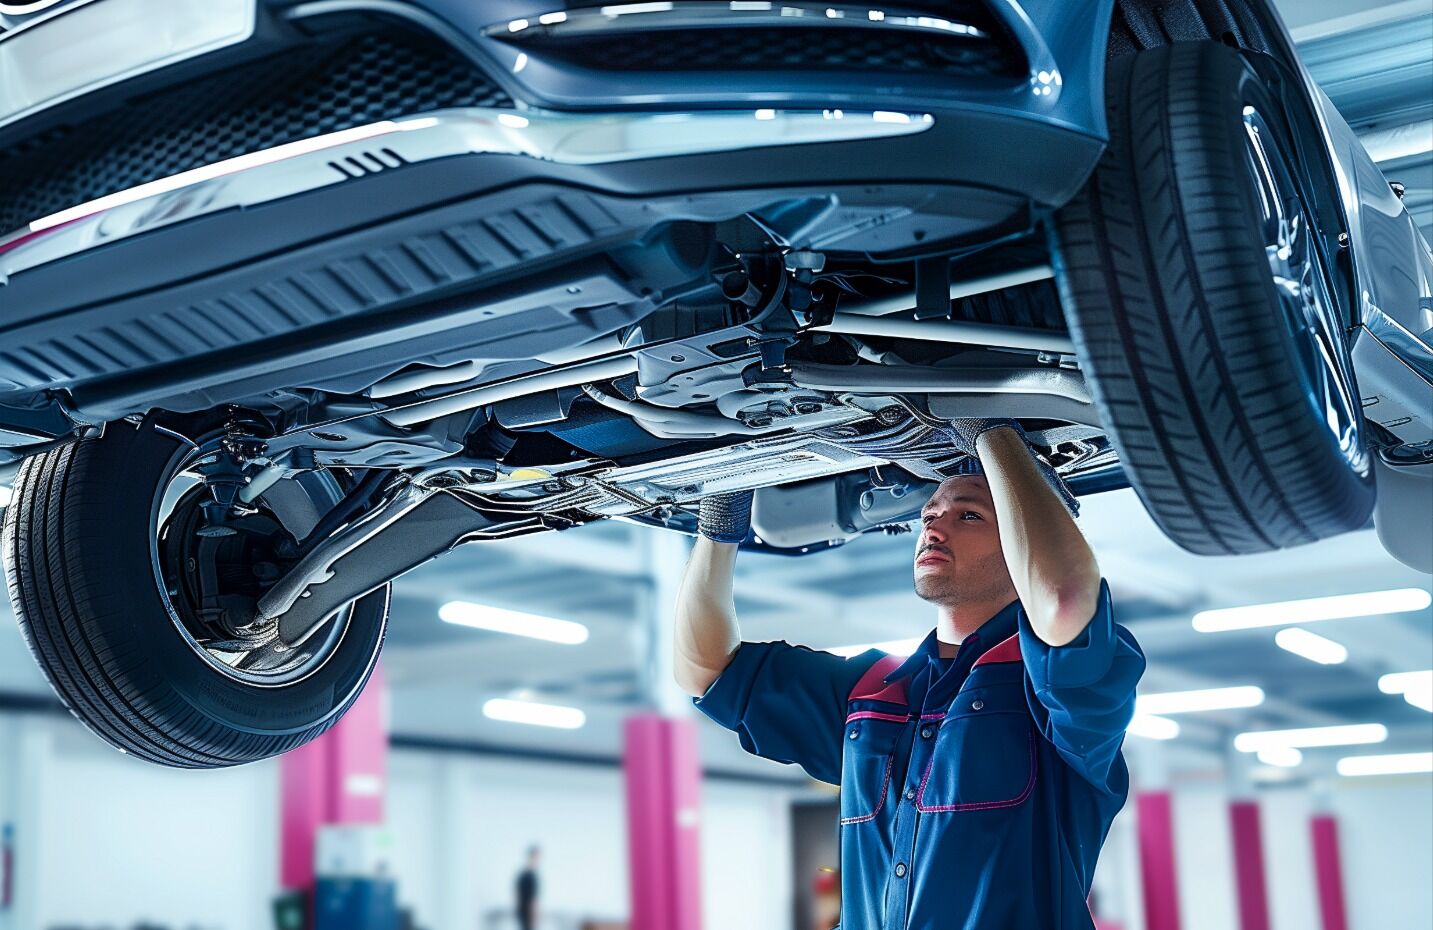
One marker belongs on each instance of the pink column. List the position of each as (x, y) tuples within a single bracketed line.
[(1155, 814), (1328, 873), (1249, 865), (663, 778), (338, 778)]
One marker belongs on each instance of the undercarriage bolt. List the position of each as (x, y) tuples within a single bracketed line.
[(890, 416)]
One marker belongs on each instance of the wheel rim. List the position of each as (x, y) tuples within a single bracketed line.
[(1304, 289), (172, 548)]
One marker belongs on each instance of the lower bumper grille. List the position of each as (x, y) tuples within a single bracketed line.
[(334, 85), (787, 49)]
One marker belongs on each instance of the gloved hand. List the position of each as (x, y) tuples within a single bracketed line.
[(963, 433), (726, 518)]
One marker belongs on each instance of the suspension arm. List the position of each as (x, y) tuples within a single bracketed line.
[(419, 525)]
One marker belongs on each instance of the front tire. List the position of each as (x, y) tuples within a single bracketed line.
[(1200, 292), (79, 544)]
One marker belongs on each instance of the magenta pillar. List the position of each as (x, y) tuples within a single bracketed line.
[(1154, 811), (663, 776), (338, 778), (1328, 873), (1249, 865)]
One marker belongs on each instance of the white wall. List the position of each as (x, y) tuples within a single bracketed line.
[(104, 840), (1289, 859), (1204, 864), (746, 857), (1385, 826), (491, 810)]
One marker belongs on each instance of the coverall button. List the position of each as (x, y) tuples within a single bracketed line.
[(925, 732), (900, 870), (977, 705), (910, 794), (853, 734)]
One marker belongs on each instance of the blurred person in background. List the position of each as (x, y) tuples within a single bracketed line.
[(979, 776), (527, 891)]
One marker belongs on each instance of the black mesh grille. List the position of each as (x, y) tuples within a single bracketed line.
[(793, 48), (296, 95), (785, 49)]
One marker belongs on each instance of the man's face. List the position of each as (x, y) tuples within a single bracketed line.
[(958, 556)]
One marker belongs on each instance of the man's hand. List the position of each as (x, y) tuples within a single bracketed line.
[(965, 431), (726, 518), (964, 434)]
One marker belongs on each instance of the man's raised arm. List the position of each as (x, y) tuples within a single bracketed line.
[(707, 633), (1051, 565)]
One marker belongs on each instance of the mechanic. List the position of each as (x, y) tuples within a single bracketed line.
[(980, 775)]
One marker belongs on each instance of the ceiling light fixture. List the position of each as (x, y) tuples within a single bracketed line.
[(1408, 763), (534, 714), (513, 622), (1416, 687), (1310, 646), (1351, 735), (1309, 610), (1284, 757), (1186, 702), (1151, 727)]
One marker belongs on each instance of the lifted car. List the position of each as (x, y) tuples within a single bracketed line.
[(296, 295)]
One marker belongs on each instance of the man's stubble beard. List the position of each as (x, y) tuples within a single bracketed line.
[(983, 581)]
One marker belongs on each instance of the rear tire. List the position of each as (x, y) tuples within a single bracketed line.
[(1208, 382), (85, 589)]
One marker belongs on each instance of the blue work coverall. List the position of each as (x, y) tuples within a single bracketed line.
[(976, 791)]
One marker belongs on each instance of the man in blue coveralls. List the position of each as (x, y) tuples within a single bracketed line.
[(980, 775)]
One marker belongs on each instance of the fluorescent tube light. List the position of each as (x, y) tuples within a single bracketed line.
[(1151, 727), (1416, 687), (1351, 735), (1185, 702), (1420, 697), (534, 714), (1284, 757), (1400, 682), (1310, 646), (1337, 607), (895, 647), (513, 622), (1409, 763)]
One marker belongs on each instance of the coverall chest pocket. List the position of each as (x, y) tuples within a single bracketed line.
[(866, 762), (984, 755)]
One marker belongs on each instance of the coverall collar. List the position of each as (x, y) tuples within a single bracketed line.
[(997, 629)]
